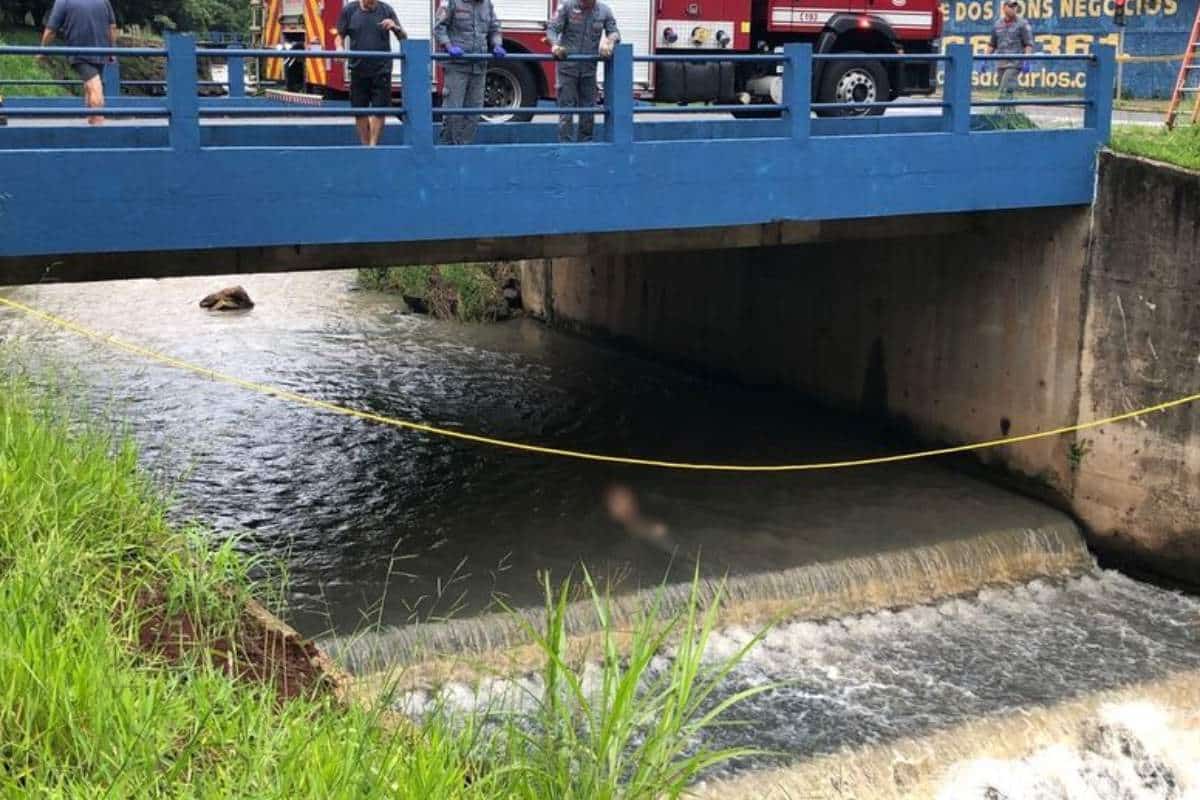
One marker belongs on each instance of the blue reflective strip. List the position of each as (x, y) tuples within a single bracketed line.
[(298, 111), (106, 111), (286, 53), (699, 58), (18, 50), (880, 57), (1032, 57), (513, 57), (893, 104), (540, 111), (1031, 102), (706, 109)]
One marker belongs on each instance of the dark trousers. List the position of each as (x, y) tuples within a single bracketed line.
[(463, 88), (576, 87)]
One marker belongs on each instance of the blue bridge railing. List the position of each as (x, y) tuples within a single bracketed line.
[(183, 110), (191, 174)]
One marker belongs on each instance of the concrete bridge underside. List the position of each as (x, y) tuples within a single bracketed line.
[(239, 260)]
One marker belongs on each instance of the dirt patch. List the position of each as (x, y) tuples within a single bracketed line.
[(258, 648)]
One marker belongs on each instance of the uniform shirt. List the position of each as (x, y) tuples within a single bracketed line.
[(578, 29), (83, 23), (470, 24), (1011, 37), (360, 28)]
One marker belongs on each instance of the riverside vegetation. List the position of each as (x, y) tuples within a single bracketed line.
[(24, 68), (469, 292), (1180, 146), (91, 707)]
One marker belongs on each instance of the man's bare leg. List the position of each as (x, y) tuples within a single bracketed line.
[(93, 97), (364, 129), (376, 129)]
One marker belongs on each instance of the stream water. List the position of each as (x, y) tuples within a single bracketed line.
[(375, 525)]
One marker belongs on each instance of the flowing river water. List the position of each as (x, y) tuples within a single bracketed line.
[(1000, 615)]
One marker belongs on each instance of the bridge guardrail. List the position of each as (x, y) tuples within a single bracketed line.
[(183, 110)]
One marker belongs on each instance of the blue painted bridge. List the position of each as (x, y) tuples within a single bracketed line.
[(184, 184)]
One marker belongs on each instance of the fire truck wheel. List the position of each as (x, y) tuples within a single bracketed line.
[(854, 82), (509, 85)]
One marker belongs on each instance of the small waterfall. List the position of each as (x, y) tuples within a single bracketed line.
[(425, 653), (1134, 743)]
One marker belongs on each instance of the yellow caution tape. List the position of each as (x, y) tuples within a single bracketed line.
[(433, 430)]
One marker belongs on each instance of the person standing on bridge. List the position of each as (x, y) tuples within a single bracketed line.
[(581, 27), (465, 27), (1011, 34), (369, 25), (84, 23)]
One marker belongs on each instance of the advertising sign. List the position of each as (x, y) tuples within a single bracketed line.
[(1153, 28)]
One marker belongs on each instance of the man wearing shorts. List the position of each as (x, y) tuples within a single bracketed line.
[(367, 25), (84, 23)]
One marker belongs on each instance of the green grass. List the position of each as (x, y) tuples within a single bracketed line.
[(634, 734), (1180, 146), (468, 292), (26, 67), (85, 713)]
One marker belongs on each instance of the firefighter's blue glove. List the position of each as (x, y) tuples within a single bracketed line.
[(1024, 67), (454, 51), (499, 52)]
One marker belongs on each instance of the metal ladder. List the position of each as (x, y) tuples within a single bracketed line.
[(1188, 68)]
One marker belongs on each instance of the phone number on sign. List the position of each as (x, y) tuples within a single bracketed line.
[(1067, 44)]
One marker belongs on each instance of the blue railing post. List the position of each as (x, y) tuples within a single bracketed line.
[(236, 67), (183, 100), (797, 89), (1097, 114), (956, 116), (418, 97), (111, 79), (618, 96)]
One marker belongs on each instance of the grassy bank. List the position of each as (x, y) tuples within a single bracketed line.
[(25, 67), (90, 705), (1180, 146), (468, 292)]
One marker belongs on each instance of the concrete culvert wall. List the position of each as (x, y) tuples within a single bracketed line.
[(1137, 486), (961, 336), (1012, 325)]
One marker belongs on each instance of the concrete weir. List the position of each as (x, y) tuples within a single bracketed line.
[(431, 654), (1024, 321)]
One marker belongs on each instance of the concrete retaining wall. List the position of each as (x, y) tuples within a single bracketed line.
[(1138, 483), (1003, 328)]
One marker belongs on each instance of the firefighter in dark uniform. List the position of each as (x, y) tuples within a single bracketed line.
[(581, 27), (464, 27)]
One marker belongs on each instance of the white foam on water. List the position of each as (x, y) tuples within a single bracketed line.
[(893, 675), (1129, 751)]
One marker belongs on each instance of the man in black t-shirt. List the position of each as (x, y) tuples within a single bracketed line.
[(367, 25)]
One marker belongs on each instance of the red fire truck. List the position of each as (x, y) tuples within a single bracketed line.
[(659, 26)]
